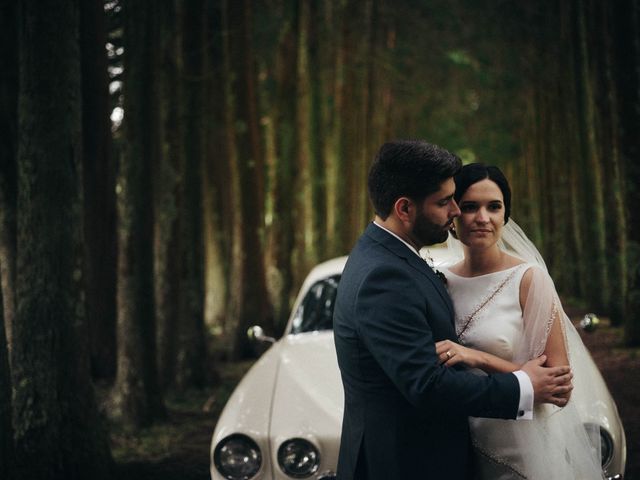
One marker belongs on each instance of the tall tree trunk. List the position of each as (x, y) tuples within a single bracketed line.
[(136, 391), (344, 111), (372, 114), (353, 125), (218, 208), (316, 132), (317, 174), (599, 287), (58, 431), (305, 255), (614, 173), (166, 189), (8, 149), (554, 146), (191, 345), (99, 187), (249, 301), (363, 212), (388, 92), (334, 82), (627, 21), (6, 428), (572, 144), (531, 178), (286, 169)]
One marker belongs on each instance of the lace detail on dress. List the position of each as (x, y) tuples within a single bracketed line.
[(542, 343), (497, 459)]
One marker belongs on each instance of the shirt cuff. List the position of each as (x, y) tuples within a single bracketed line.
[(525, 407)]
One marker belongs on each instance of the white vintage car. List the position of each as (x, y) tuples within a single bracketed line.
[(283, 420)]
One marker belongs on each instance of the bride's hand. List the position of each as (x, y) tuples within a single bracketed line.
[(451, 353)]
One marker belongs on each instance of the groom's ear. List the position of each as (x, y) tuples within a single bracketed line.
[(405, 209)]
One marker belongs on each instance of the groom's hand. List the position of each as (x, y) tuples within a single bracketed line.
[(550, 384)]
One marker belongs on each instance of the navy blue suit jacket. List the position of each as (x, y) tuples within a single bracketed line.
[(405, 416)]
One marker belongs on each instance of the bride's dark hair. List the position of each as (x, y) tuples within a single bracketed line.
[(476, 172)]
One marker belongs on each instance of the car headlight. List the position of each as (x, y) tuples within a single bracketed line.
[(298, 458), (237, 457), (606, 447), (605, 440)]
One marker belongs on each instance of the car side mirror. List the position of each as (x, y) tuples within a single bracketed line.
[(590, 322), (256, 333)]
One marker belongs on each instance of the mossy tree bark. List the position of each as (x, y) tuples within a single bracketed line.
[(191, 358), (166, 261), (57, 428), (249, 301), (304, 253), (99, 186), (286, 171), (353, 88), (627, 25), (218, 209), (137, 392), (6, 428), (614, 176), (598, 286), (8, 149), (337, 174), (318, 182)]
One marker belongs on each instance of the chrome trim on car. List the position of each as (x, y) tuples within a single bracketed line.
[(327, 476), (256, 333)]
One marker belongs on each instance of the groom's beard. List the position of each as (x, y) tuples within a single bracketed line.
[(429, 233)]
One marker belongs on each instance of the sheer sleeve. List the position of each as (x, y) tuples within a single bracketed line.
[(541, 308), (562, 429)]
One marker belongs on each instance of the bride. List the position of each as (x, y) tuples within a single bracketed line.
[(508, 312)]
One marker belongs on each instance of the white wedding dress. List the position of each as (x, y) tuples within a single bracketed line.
[(555, 445)]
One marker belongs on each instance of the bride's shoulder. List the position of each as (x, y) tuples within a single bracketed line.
[(534, 276), (527, 269), (511, 261)]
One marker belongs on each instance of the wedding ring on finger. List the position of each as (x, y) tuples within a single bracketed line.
[(448, 354)]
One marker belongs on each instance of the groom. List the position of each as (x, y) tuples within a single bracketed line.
[(405, 415)]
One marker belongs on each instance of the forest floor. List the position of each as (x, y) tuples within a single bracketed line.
[(178, 448)]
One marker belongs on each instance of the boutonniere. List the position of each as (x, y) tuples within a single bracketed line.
[(427, 258), (440, 275)]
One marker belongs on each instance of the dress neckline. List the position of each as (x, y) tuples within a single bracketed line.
[(486, 274)]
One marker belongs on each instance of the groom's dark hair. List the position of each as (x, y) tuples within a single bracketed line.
[(408, 168)]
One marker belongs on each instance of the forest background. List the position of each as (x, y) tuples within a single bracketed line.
[(171, 170)]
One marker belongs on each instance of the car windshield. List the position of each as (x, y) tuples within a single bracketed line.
[(315, 312)]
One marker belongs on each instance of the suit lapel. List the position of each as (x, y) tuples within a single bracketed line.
[(401, 250), (422, 266)]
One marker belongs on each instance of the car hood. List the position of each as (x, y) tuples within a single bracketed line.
[(308, 398)]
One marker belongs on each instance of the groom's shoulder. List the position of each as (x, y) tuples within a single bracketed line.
[(373, 261), (370, 252)]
